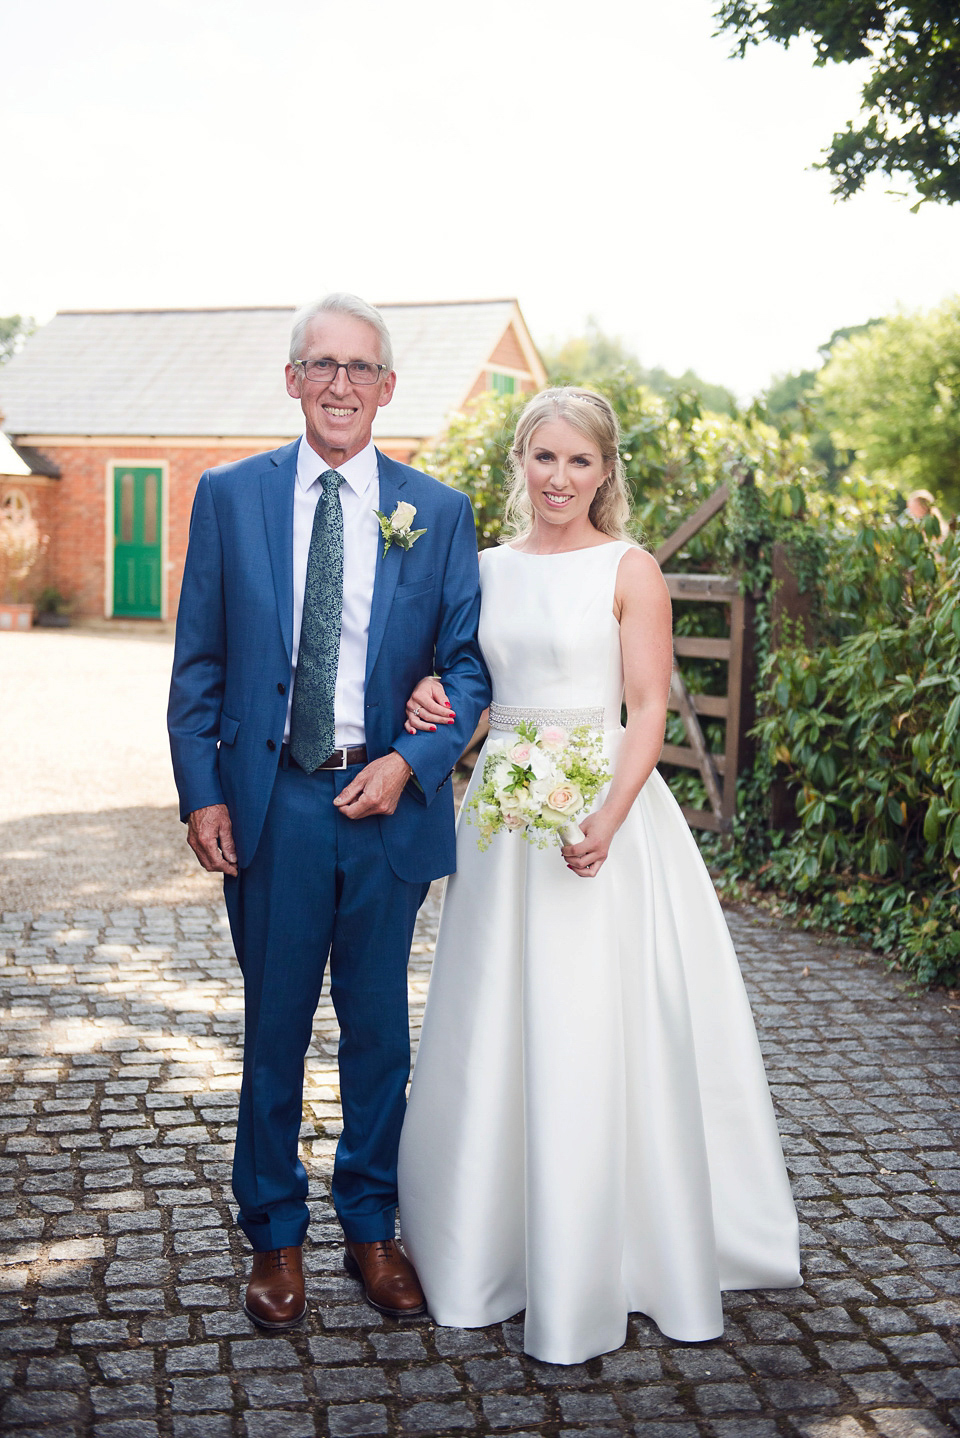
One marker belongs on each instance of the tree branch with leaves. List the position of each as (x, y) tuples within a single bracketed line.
[(911, 100)]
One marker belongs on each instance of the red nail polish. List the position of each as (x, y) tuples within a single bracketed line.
[(433, 728)]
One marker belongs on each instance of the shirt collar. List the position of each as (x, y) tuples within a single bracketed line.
[(359, 472)]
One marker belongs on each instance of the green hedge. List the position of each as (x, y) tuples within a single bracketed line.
[(865, 728)]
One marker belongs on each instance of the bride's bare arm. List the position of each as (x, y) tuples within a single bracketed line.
[(642, 606), (428, 706)]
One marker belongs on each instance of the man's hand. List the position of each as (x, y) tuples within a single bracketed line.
[(376, 789), (210, 836)]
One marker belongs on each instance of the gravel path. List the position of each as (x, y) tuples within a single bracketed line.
[(88, 811)]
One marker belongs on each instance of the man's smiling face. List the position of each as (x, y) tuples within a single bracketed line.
[(339, 414)]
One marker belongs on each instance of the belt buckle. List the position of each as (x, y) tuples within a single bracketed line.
[(343, 751)]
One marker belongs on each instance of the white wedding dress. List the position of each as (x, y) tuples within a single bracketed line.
[(590, 1131)]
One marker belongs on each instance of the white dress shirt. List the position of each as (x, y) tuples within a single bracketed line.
[(359, 497)]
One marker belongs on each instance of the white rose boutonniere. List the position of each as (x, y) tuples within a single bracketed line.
[(395, 528)]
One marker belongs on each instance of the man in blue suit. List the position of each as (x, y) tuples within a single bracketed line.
[(310, 608)]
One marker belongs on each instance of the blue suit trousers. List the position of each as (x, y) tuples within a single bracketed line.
[(320, 884)]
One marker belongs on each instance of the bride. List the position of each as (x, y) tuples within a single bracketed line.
[(589, 1132)]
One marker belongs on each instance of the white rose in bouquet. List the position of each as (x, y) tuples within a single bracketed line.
[(541, 765), (520, 753), (541, 789), (565, 799)]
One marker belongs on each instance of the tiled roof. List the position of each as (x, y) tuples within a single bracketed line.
[(220, 372)]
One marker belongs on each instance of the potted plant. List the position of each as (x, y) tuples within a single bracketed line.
[(52, 610), (21, 545)]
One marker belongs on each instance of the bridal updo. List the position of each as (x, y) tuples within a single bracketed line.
[(594, 417)]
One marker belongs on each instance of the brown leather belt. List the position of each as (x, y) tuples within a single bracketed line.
[(339, 759)]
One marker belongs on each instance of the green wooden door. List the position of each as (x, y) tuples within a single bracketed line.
[(137, 560)]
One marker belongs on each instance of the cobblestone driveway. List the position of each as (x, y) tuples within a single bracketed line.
[(119, 1310)]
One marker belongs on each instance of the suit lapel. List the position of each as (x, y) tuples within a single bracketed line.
[(276, 487), (392, 480)]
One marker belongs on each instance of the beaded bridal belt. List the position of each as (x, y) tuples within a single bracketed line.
[(504, 716)]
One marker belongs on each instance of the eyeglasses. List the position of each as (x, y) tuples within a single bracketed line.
[(324, 371)]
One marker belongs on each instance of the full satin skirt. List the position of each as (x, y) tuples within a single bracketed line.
[(590, 1131)]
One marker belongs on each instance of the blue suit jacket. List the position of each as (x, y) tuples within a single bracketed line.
[(232, 663)]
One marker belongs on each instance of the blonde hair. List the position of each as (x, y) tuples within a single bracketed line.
[(594, 417)]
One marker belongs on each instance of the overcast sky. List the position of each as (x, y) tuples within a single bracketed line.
[(601, 158)]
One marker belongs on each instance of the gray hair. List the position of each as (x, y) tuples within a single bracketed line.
[(340, 304), (594, 416)]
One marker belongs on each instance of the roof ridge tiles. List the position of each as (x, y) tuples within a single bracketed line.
[(436, 304), (279, 309), (189, 310)]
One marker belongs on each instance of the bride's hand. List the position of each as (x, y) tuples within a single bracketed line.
[(428, 706), (586, 858)]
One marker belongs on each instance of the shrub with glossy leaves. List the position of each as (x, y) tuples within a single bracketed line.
[(866, 729)]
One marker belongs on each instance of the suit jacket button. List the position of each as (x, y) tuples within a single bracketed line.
[(270, 745), (281, 688)]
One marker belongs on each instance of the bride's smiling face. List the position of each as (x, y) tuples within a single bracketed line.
[(564, 469)]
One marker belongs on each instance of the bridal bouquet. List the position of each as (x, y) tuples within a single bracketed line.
[(539, 782)]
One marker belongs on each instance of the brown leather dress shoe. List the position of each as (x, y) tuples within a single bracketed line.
[(389, 1281), (275, 1296)]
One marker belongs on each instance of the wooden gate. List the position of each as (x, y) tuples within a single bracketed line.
[(736, 707)]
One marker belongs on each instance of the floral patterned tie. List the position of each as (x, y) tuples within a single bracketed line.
[(312, 736)]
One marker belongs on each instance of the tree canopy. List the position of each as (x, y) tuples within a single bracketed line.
[(594, 358), (910, 121), (13, 331), (793, 402), (892, 393)]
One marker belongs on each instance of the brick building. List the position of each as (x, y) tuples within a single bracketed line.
[(112, 417)]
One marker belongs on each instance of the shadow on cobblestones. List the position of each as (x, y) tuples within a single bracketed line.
[(121, 1270), (101, 859)]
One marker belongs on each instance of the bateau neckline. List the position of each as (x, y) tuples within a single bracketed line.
[(565, 553)]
